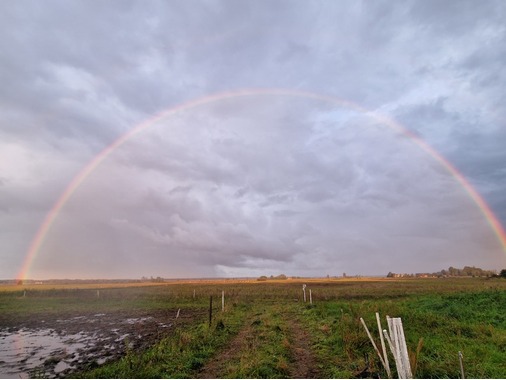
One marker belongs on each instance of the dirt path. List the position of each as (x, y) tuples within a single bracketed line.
[(304, 365), (216, 367), (247, 348)]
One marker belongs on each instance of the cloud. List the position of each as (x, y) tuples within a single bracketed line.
[(237, 196), (264, 183)]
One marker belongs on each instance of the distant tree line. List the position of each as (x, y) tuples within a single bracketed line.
[(467, 271), (265, 278)]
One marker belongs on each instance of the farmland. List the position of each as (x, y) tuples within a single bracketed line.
[(266, 330)]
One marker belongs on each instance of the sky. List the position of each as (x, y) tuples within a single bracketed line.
[(272, 137)]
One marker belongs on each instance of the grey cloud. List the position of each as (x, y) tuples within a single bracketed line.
[(260, 183), (454, 18), (194, 215), (476, 151)]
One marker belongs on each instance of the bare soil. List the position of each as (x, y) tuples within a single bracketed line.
[(305, 365), (99, 337)]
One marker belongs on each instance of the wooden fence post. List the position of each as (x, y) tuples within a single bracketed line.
[(397, 342), (404, 349), (372, 341), (461, 357), (383, 347), (222, 301), (210, 310)]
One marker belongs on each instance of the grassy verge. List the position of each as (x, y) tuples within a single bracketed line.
[(473, 323)]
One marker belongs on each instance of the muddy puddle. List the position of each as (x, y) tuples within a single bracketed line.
[(26, 353), (54, 348)]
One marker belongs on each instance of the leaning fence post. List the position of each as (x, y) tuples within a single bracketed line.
[(177, 314), (397, 343), (404, 349), (461, 357), (389, 341), (383, 347), (372, 341), (389, 324), (397, 349), (400, 372)]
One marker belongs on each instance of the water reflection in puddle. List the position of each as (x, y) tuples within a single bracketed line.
[(23, 350), (50, 353)]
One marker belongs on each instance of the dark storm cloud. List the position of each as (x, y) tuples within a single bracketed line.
[(266, 183)]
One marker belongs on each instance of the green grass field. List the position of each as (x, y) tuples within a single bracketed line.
[(267, 331)]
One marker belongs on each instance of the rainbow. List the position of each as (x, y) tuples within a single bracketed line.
[(48, 221)]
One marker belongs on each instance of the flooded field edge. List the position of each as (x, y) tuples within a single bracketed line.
[(49, 347)]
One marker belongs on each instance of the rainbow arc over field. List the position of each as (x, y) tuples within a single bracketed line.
[(45, 227)]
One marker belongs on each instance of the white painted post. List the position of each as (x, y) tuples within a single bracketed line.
[(403, 349), (391, 330), (397, 349), (398, 365), (397, 343), (461, 357), (310, 297), (383, 347), (372, 341), (389, 341), (304, 290), (177, 314), (222, 300)]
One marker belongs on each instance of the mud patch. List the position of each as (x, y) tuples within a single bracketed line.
[(46, 347)]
